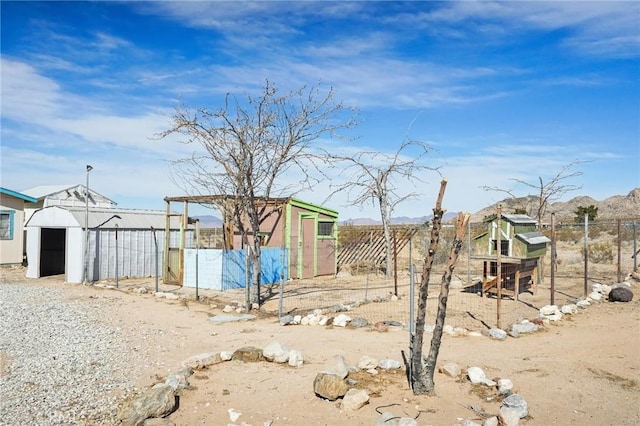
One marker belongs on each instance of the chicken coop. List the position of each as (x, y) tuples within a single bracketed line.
[(513, 242)]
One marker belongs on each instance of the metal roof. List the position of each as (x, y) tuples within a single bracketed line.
[(533, 238), (108, 218), (519, 218), (44, 191), (19, 195)]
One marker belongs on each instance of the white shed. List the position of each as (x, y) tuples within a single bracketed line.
[(135, 238)]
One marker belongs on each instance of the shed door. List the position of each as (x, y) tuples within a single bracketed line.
[(52, 251), (308, 247), (173, 268)]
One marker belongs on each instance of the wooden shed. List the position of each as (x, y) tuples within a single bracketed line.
[(308, 233), (521, 247)]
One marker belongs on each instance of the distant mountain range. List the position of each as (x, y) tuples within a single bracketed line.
[(617, 206)]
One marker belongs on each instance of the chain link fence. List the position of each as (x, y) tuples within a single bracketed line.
[(364, 288)]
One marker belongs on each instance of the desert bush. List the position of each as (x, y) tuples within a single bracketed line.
[(600, 253)]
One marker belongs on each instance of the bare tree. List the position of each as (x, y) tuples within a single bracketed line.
[(375, 176), (422, 370), (248, 145), (545, 192)]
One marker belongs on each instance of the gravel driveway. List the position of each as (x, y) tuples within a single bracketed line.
[(61, 361)]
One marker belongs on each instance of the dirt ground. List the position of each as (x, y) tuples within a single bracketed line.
[(584, 370)]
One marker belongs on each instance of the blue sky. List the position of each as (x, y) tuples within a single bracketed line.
[(500, 90)]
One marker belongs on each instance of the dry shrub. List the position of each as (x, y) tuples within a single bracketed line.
[(600, 253)]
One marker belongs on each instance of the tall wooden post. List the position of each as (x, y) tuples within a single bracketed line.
[(553, 259), (499, 265)]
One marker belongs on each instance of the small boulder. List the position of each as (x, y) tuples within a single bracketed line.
[(248, 354), (451, 369), (476, 375), (158, 401), (518, 403), (389, 364), (295, 358), (367, 362), (276, 352), (355, 399), (358, 322), (341, 320), (620, 294), (498, 334), (330, 386), (203, 360)]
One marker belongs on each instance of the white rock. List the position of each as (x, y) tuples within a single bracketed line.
[(297, 319), (505, 386), (367, 362), (570, 309), (451, 369), (323, 320), (233, 414), (276, 352), (508, 416), (338, 367), (305, 320), (341, 320), (314, 320), (460, 331), (228, 309), (474, 334), (372, 371), (226, 355), (549, 310), (476, 375), (583, 303), (448, 329), (516, 402), (491, 421), (295, 358), (355, 399), (595, 296), (497, 333), (389, 364)]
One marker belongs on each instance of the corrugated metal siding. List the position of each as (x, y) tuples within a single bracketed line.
[(136, 252)]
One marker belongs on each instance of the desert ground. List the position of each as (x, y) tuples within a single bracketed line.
[(582, 370)]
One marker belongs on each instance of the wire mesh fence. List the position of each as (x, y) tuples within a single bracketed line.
[(604, 251)]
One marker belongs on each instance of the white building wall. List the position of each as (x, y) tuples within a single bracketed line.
[(74, 263), (209, 268), (33, 253)]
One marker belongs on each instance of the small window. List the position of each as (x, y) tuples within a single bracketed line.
[(504, 244), (325, 229), (6, 225)]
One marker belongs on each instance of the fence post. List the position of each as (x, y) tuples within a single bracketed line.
[(166, 248), (116, 255), (586, 252), (468, 252), (635, 246), (247, 279), (553, 259), (619, 251), (499, 266), (395, 264), (281, 297)]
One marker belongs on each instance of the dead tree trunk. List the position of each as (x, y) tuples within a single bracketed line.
[(427, 385), (417, 369)]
